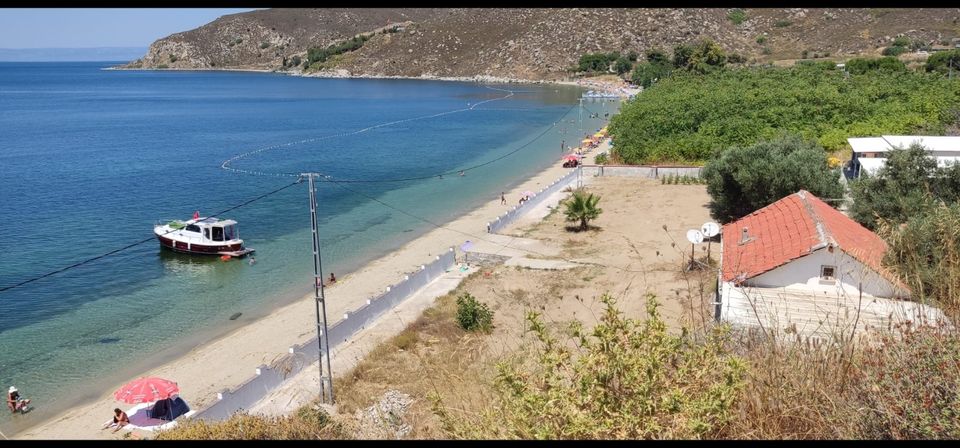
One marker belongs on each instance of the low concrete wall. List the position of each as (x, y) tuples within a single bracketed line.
[(653, 172), (268, 378), (509, 217)]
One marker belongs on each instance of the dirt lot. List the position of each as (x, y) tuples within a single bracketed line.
[(626, 253)]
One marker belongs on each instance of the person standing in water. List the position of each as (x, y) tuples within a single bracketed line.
[(503, 199)]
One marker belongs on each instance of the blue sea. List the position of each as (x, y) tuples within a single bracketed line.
[(91, 159)]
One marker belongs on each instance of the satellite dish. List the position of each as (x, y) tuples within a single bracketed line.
[(694, 236), (710, 229)]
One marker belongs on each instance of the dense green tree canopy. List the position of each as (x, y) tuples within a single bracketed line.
[(687, 117), (744, 179)]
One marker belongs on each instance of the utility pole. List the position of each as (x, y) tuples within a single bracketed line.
[(323, 341)]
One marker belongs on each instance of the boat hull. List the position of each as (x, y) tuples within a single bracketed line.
[(203, 249)]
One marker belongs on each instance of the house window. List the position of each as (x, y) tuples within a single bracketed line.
[(827, 272)]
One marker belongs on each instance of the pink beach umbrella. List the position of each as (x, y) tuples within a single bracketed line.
[(528, 193), (146, 390)]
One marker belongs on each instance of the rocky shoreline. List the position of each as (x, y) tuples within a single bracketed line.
[(345, 74)]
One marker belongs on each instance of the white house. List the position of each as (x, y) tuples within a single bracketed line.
[(799, 264), (870, 153)]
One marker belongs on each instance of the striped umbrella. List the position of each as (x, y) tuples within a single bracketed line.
[(146, 390)]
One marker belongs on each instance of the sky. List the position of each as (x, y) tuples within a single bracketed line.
[(99, 27)]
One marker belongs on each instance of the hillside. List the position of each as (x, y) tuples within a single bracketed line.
[(531, 43)]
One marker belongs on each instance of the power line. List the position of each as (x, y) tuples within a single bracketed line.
[(145, 240)]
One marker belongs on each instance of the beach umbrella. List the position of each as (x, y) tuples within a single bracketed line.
[(570, 157), (146, 390), (528, 193)]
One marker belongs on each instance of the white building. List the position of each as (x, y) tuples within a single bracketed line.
[(870, 153), (799, 264)]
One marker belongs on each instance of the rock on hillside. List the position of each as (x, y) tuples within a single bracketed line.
[(533, 43)]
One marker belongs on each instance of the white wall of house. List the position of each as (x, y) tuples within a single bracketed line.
[(804, 273)]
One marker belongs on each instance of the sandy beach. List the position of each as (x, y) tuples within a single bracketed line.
[(231, 359)]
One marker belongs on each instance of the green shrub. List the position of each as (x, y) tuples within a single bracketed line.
[(859, 66), (782, 23), (761, 39), (321, 55), (597, 62), (908, 184), (737, 16), (173, 58), (742, 180), (901, 41), (894, 51), (942, 61), (601, 159), (632, 56), (622, 65), (473, 315), (626, 379), (163, 66)]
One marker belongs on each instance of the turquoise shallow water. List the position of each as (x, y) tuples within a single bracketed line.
[(91, 159)]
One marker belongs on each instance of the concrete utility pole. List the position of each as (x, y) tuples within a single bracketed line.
[(323, 341)]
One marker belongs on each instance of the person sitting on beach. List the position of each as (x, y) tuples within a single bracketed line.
[(120, 419), (332, 279), (503, 199)]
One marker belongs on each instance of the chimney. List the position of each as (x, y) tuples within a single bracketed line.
[(745, 236)]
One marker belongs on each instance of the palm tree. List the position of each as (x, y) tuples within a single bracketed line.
[(583, 207)]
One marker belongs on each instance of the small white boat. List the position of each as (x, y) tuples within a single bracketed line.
[(202, 236)]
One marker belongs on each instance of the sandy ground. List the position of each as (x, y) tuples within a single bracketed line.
[(229, 360), (626, 253)]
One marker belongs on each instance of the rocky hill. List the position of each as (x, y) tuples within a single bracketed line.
[(531, 43)]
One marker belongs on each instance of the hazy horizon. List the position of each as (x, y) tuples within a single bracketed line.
[(72, 54)]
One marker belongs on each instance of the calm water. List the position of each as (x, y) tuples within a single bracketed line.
[(91, 159)]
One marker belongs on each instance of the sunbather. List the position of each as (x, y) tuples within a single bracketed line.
[(120, 420)]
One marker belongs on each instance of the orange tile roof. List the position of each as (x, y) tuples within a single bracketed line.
[(793, 227)]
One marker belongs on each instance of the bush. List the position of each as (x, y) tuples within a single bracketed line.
[(622, 65), (173, 58), (743, 106), (322, 54), (859, 66), (632, 56), (473, 315), (742, 180), (761, 39), (894, 51), (597, 62), (908, 184), (782, 23), (646, 73), (737, 16), (942, 61), (681, 55), (901, 41), (626, 379), (601, 159), (924, 253), (736, 58)]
